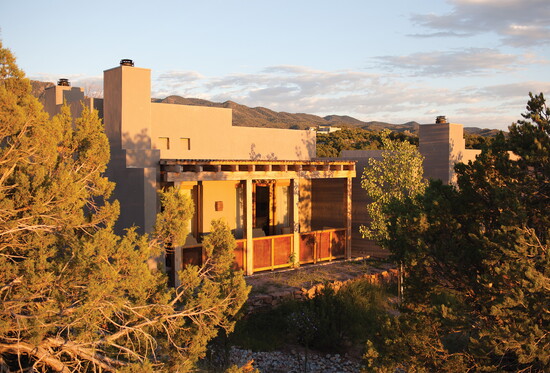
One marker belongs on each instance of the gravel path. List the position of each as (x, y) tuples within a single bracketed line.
[(293, 362)]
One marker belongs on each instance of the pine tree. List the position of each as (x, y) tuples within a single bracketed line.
[(75, 296), (477, 255)]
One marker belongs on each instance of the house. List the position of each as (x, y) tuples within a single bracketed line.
[(282, 204), (325, 128)]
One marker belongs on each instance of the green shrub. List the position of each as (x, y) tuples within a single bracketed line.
[(331, 321)]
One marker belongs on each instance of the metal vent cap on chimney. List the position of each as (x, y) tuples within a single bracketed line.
[(63, 82), (441, 119), (126, 62)]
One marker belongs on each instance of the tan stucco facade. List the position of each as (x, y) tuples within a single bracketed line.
[(443, 146), (196, 132), (55, 96), (261, 181)]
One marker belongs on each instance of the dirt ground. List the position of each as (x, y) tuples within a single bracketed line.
[(310, 275)]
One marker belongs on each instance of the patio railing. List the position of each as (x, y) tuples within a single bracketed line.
[(273, 252)]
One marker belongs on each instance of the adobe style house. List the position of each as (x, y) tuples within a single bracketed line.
[(281, 203)]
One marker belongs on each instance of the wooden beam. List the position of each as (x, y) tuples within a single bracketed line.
[(257, 175)]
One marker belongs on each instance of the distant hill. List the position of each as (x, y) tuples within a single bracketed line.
[(262, 117), (39, 87), (245, 116), (485, 132)]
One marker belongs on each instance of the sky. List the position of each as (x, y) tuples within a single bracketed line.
[(474, 61)]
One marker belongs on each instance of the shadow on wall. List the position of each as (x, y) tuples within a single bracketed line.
[(134, 170), (304, 152), (139, 152), (310, 144), (258, 156)]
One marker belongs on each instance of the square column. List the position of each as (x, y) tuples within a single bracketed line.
[(295, 221), (248, 227), (347, 201)]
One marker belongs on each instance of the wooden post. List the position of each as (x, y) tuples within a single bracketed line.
[(348, 217), (248, 206), (295, 221)]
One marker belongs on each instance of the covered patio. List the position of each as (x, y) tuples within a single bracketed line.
[(282, 213)]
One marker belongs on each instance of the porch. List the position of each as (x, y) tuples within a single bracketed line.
[(282, 213), (275, 252)]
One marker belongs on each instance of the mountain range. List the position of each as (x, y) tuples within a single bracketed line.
[(263, 117)]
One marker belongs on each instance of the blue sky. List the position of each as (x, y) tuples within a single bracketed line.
[(474, 61)]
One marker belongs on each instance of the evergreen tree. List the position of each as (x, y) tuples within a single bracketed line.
[(477, 258), (75, 296)]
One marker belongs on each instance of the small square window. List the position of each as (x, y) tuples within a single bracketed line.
[(185, 143), (164, 143)]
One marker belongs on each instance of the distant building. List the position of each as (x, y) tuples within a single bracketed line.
[(280, 202), (327, 129)]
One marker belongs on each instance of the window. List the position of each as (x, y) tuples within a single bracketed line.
[(164, 143), (185, 143)]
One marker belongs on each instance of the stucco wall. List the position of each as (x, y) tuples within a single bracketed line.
[(56, 96), (443, 146), (435, 147), (219, 191), (127, 107), (195, 132)]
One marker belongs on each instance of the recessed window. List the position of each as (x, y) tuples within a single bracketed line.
[(185, 143), (164, 143)]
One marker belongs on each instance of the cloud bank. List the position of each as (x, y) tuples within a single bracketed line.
[(364, 95), (518, 23)]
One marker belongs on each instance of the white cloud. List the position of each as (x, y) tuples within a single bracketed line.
[(472, 61), (370, 96), (520, 23), (363, 95), (515, 90)]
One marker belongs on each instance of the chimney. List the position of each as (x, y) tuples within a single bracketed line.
[(63, 82), (126, 62), (441, 119)]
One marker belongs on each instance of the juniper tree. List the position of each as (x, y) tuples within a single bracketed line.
[(477, 258), (75, 296)]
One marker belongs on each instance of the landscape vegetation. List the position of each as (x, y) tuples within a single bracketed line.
[(75, 296)]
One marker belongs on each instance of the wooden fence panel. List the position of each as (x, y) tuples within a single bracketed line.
[(262, 253), (307, 247), (323, 245), (338, 243), (282, 249)]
